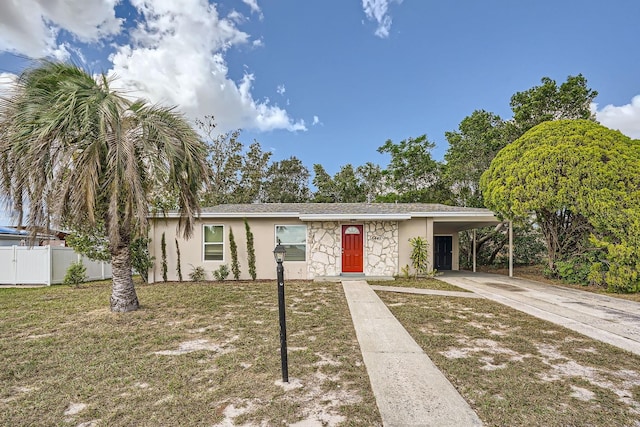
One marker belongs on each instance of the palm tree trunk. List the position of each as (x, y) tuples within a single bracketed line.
[(123, 293)]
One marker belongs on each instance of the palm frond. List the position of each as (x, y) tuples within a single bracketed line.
[(78, 152)]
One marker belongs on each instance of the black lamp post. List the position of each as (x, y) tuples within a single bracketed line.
[(279, 253)]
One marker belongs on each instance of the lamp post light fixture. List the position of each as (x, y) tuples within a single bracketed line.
[(279, 253)]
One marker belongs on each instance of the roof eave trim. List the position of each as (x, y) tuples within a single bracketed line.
[(453, 214), (354, 217), (233, 215)]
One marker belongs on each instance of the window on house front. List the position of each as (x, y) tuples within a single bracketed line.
[(294, 240), (213, 243)]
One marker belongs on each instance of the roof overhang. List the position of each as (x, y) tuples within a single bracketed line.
[(474, 219), (233, 215), (456, 216), (355, 217)]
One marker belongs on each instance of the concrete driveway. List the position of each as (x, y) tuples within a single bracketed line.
[(608, 319)]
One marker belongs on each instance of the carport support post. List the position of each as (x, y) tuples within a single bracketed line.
[(474, 250), (510, 249)]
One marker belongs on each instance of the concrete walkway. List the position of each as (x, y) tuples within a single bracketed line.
[(409, 389), (612, 320)]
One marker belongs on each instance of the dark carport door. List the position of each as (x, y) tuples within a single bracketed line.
[(443, 253)]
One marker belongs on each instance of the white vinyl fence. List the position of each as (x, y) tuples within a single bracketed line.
[(44, 265)]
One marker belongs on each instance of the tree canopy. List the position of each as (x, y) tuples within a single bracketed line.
[(346, 186), (412, 174), (548, 102), (287, 182), (578, 178), (471, 148)]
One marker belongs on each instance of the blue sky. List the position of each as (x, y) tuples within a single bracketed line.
[(330, 81)]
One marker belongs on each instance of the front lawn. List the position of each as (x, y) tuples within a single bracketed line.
[(195, 354), (517, 370)]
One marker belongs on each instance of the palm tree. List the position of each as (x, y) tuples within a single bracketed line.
[(80, 154)]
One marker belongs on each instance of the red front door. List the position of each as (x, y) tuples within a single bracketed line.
[(352, 249)]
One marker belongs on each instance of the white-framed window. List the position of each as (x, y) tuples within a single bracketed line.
[(213, 242), (294, 240)]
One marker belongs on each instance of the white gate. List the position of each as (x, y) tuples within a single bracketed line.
[(44, 265)]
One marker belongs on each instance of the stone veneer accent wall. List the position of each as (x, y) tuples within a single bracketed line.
[(324, 244), (325, 250), (381, 248)]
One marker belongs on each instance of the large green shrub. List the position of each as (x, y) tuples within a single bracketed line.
[(576, 270)]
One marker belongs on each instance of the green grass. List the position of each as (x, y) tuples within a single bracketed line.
[(517, 370), (61, 345)]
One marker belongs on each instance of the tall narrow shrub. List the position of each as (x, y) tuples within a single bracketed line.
[(178, 266), (235, 265), (419, 255), (251, 251), (163, 248)]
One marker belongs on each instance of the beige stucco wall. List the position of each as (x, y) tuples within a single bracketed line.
[(407, 230), (424, 227), (191, 251), (385, 244)]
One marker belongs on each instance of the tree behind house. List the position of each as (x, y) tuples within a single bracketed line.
[(482, 135), (287, 181)]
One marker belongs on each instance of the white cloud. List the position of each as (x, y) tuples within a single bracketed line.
[(236, 17), (176, 57), (316, 120), (377, 10), (6, 82), (253, 5), (30, 27), (281, 89), (625, 118)]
